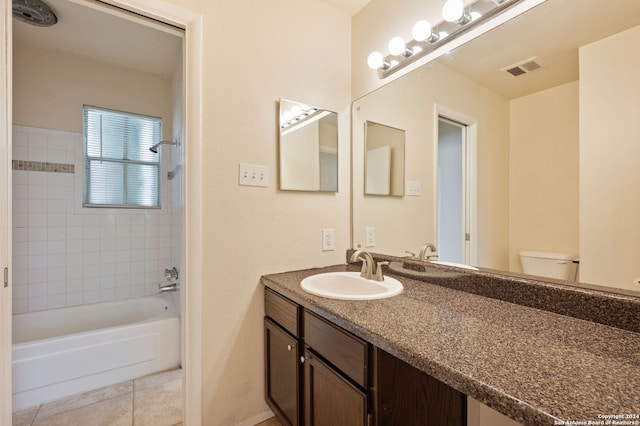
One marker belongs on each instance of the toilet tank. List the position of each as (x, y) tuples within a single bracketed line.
[(549, 264)]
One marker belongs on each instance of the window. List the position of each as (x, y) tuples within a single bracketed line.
[(119, 168)]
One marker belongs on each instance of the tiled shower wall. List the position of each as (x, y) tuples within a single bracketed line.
[(66, 255)]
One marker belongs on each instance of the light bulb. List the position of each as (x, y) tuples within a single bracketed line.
[(287, 116), (297, 111), (397, 46), (421, 30), (452, 10), (375, 60)]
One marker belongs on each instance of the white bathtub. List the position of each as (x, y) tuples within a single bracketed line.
[(65, 351)]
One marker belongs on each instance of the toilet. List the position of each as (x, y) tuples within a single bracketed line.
[(561, 266)]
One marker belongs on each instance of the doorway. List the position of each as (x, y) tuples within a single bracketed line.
[(191, 219), (455, 183)]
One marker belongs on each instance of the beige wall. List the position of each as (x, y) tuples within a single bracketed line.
[(543, 160), (406, 223), (50, 87), (609, 153), (254, 54)]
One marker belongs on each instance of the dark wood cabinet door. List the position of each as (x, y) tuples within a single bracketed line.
[(404, 395), (282, 390), (330, 399)]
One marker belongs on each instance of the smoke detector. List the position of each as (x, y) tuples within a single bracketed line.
[(523, 67)]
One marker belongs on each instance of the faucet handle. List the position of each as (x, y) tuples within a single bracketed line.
[(171, 274), (379, 276)]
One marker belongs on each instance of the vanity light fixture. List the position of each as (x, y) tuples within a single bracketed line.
[(296, 114), (457, 20)]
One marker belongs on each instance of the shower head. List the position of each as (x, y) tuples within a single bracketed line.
[(34, 12), (154, 148)]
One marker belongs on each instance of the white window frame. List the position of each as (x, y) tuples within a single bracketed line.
[(86, 158)]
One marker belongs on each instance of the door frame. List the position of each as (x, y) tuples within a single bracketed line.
[(192, 23), (470, 179), (5, 213)]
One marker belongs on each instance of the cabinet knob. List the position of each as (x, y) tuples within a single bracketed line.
[(303, 359), (290, 347)]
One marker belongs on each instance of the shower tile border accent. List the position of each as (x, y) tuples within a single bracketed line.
[(39, 166)]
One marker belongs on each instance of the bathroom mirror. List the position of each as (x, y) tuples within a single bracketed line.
[(384, 160), (308, 148), (551, 150)]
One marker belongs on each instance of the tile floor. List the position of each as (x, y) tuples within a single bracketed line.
[(271, 422), (154, 400)]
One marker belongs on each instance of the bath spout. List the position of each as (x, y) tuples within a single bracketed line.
[(168, 287)]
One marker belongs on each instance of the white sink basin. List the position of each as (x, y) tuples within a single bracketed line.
[(455, 264), (350, 286)]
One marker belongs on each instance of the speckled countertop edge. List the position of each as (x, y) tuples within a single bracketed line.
[(534, 366)]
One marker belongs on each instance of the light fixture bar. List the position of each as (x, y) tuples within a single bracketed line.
[(426, 47)]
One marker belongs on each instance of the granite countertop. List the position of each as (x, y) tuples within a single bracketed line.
[(537, 367)]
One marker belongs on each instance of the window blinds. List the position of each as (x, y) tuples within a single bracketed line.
[(119, 169)]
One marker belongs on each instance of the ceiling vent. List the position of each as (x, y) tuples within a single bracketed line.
[(522, 67)]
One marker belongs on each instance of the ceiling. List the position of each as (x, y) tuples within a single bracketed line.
[(106, 34), (551, 32)]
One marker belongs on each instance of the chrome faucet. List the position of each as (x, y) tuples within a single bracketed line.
[(425, 250), (371, 270), (168, 287)]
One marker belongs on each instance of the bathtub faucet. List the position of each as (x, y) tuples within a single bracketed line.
[(171, 274), (168, 287)]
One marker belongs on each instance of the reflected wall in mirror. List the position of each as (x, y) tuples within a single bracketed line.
[(556, 145), (308, 148), (384, 160)]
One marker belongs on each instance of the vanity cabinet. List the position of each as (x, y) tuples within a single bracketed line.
[(282, 358), (335, 374), (316, 374)]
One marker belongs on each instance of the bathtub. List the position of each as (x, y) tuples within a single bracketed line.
[(65, 351)]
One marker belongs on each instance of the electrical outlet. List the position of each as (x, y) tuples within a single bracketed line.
[(253, 175), (414, 188), (369, 236), (328, 241)]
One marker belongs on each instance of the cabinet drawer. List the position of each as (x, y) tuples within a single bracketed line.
[(281, 310), (346, 352)]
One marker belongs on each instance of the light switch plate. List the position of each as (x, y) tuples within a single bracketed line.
[(328, 239), (414, 188), (253, 175), (369, 236)]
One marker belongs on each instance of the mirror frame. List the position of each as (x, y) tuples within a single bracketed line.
[(289, 171), (395, 162)]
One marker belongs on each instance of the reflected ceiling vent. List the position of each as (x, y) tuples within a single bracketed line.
[(523, 67)]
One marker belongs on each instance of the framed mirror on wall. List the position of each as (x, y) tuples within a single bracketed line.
[(308, 148), (384, 160)]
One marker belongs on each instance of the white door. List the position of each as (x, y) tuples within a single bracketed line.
[(453, 233), (5, 210)]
